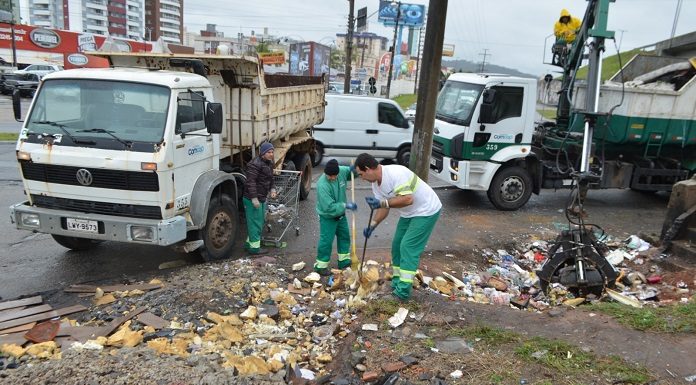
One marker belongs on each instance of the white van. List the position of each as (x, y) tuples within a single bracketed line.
[(355, 124)]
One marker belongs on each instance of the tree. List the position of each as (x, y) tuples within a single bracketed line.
[(262, 47), (338, 58)]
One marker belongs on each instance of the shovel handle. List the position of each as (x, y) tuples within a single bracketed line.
[(362, 263)]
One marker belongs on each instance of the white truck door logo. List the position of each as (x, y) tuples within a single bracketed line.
[(84, 177)]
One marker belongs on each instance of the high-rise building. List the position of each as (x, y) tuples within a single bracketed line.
[(117, 18), (164, 18)]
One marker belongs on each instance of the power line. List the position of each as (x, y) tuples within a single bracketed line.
[(484, 54)]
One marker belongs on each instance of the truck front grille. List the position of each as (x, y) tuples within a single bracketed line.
[(111, 179), (92, 207)]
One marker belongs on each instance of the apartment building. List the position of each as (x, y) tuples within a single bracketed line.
[(165, 19)]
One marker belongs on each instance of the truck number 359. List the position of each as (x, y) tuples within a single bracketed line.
[(491, 147)]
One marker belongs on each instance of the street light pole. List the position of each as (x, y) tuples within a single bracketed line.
[(393, 53)]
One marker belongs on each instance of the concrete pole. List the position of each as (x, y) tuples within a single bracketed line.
[(349, 47), (427, 92)]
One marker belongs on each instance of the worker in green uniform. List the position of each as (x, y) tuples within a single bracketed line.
[(331, 207), (397, 187)]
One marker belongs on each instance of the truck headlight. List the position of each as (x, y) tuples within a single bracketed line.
[(30, 220), (142, 233)]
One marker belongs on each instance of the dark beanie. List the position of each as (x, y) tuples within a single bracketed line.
[(331, 167), (265, 147)]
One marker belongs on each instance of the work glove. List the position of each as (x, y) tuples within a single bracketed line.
[(255, 202), (375, 203), (351, 206), (367, 231)]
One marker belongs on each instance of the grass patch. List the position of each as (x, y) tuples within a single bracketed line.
[(610, 64), (406, 100), (9, 136), (548, 113), (382, 308), (679, 318), (489, 335), (429, 343), (568, 360)]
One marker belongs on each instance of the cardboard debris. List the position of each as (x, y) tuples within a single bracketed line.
[(398, 318)]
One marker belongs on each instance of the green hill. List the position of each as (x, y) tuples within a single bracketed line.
[(610, 64)]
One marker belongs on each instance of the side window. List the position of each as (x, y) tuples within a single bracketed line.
[(389, 114), (190, 112), (508, 103)]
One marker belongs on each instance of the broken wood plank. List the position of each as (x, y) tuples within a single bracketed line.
[(150, 319), (113, 325), (64, 341), (80, 333), (14, 338), (26, 312), (42, 316), (21, 328), (8, 311), (21, 302), (112, 288)]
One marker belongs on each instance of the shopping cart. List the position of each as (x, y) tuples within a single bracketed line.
[(282, 212)]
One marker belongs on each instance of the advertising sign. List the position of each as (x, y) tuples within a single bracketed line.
[(272, 57), (448, 50), (410, 15), (309, 59)]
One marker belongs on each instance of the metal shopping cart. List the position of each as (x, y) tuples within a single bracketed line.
[(282, 211)]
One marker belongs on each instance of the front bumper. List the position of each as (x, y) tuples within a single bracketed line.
[(165, 232)]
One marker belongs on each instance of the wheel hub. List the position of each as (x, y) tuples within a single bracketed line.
[(512, 189), (220, 230)]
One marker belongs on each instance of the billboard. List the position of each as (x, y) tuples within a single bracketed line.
[(410, 15), (272, 57), (309, 59)]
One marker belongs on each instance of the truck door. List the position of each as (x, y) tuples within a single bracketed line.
[(193, 147), (502, 128)]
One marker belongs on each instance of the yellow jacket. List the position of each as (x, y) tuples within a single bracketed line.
[(567, 30)]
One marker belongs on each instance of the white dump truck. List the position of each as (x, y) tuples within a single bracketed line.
[(152, 150)]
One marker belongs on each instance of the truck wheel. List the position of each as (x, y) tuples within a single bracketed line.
[(220, 231), (304, 165), (318, 155), (404, 155), (74, 243), (510, 189)]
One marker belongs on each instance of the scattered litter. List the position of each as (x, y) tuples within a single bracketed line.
[(398, 318), (298, 266), (457, 374), (370, 327)]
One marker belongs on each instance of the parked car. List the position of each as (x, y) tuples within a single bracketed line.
[(40, 69), (26, 84), (411, 112), (7, 89), (356, 124), (335, 87)]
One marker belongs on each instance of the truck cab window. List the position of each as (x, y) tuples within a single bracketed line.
[(508, 103), (190, 112), (389, 114)]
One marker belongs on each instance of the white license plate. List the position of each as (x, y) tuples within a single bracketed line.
[(433, 161), (82, 225)]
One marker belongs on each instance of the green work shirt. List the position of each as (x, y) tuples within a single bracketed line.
[(331, 195)]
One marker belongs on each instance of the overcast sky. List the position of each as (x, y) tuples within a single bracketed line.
[(513, 31)]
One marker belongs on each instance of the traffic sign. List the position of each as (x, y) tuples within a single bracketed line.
[(371, 81), (373, 89)]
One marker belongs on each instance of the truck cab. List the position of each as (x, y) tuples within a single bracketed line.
[(483, 131)]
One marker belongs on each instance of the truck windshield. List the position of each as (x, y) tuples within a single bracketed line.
[(103, 114), (456, 102)]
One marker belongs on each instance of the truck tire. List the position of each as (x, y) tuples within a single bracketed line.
[(404, 155), (318, 155), (74, 243), (304, 164), (510, 188), (220, 231)]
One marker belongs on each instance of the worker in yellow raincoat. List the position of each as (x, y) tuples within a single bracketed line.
[(565, 30)]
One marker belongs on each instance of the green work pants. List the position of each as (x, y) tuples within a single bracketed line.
[(409, 241), (254, 220), (330, 228)]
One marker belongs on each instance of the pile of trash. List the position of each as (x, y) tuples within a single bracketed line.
[(510, 278)]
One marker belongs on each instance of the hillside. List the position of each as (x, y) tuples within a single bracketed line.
[(469, 66), (610, 64)]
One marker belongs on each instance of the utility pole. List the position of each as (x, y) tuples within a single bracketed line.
[(484, 54), (427, 95), (393, 52), (349, 47)]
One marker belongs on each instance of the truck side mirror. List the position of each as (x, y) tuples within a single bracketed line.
[(17, 105), (486, 112), (213, 118)]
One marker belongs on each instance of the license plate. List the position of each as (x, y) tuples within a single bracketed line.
[(83, 225), (433, 161)]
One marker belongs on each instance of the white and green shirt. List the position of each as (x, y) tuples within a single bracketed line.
[(398, 180)]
